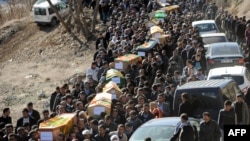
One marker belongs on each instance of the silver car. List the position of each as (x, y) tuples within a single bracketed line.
[(224, 54), (160, 129)]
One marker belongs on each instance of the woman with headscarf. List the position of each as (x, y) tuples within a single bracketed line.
[(114, 138)]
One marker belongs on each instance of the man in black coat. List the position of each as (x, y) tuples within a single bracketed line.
[(185, 106), (227, 116), (102, 134), (25, 119), (145, 115), (209, 129), (32, 112), (5, 118), (101, 41), (53, 97), (185, 131), (240, 30)]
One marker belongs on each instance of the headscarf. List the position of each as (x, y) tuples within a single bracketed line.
[(114, 138)]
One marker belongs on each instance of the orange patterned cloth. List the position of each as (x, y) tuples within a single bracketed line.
[(157, 113)]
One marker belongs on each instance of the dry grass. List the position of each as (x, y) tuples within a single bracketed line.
[(15, 9)]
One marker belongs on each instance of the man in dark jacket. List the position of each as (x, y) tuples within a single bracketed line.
[(53, 97), (185, 131), (5, 118), (32, 112), (25, 119), (102, 134), (227, 116), (185, 106), (240, 30), (145, 115), (134, 120), (209, 129)]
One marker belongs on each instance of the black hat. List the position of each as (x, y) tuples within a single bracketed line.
[(69, 96), (127, 76), (239, 95)]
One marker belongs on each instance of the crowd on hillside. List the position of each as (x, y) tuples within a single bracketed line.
[(150, 84)]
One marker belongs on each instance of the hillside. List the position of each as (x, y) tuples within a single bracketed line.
[(35, 59)]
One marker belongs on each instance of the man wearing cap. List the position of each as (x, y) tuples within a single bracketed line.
[(241, 110)]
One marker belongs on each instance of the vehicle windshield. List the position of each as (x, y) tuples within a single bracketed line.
[(238, 79), (157, 133), (40, 11), (227, 50), (206, 27), (202, 100), (214, 39)]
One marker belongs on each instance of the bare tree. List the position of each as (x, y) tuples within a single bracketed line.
[(75, 22), (59, 16), (95, 16)]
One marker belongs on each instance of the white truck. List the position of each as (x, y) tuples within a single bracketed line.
[(44, 14)]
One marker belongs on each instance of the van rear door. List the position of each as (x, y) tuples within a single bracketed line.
[(206, 99)]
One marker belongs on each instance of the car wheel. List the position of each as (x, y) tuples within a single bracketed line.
[(53, 22)]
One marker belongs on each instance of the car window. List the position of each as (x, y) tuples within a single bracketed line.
[(51, 11), (58, 8), (40, 11), (63, 5), (206, 27), (157, 133), (229, 92), (238, 79), (214, 39), (229, 50)]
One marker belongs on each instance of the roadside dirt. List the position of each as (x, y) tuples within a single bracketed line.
[(35, 60)]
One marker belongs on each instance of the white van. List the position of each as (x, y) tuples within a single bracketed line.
[(43, 13), (210, 38), (206, 26)]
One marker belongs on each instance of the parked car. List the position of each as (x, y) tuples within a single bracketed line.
[(239, 74), (44, 14), (160, 129), (210, 38), (206, 26), (224, 54), (207, 96)]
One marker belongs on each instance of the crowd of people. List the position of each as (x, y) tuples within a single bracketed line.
[(150, 84)]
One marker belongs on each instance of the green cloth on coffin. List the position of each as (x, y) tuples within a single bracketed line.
[(147, 46), (160, 15)]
